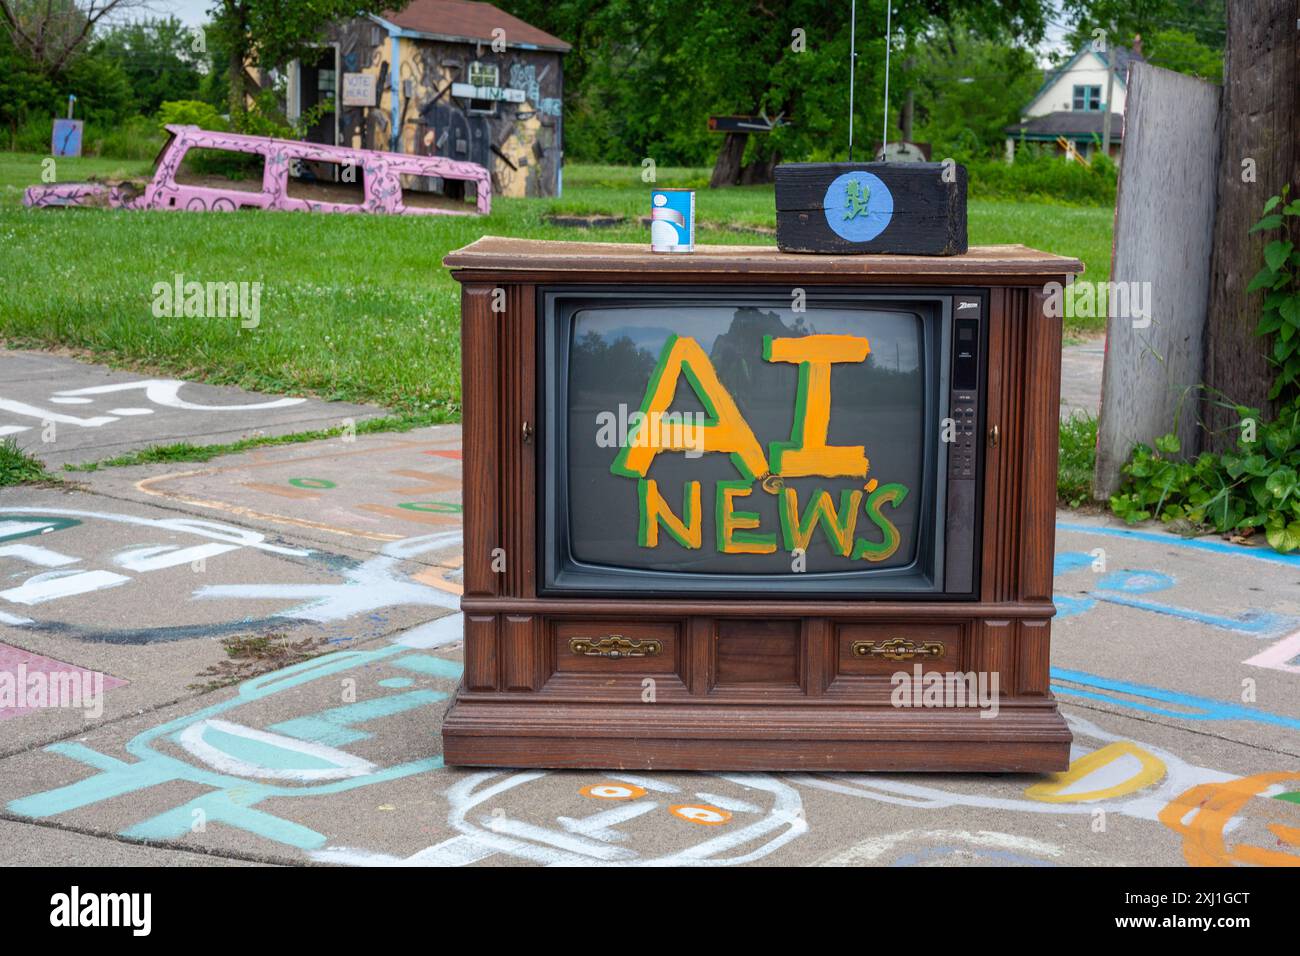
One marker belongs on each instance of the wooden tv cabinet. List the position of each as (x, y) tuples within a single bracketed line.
[(758, 683)]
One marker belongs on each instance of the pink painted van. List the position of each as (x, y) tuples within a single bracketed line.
[(284, 174)]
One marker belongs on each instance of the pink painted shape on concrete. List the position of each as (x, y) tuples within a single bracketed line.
[(15, 661), (381, 180), (1282, 656)]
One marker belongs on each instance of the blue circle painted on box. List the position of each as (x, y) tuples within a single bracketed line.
[(858, 206)]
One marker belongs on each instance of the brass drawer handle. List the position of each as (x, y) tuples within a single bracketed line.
[(898, 649), (614, 647)]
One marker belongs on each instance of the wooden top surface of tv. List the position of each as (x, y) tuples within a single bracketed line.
[(981, 265)]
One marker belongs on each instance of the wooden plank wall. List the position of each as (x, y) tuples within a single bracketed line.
[(1164, 224)]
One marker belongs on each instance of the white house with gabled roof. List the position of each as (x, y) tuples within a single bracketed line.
[(1069, 108)]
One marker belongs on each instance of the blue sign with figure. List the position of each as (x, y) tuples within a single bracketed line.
[(66, 140), (858, 206)]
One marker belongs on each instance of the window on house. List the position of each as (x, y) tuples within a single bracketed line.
[(484, 74), (479, 75), (1087, 98)]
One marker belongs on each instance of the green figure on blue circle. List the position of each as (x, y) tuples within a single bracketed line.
[(856, 196), (858, 206)]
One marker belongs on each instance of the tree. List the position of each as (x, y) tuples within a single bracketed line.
[(102, 89), (645, 75), (24, 89), (968, 90), (53, 33), (269, 33), (1181, 52), (158, 57), (1202, 19)]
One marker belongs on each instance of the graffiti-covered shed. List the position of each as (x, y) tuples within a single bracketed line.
[(442, 78)]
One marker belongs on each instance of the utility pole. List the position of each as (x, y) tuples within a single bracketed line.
[(1261, 153), (1110, 89)]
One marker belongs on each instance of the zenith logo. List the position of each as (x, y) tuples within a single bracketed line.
[(963, 306)]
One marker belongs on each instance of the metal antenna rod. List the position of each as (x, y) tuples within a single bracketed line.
[(884, 134), (853, 55)]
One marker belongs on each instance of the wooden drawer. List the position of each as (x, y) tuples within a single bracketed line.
[(882, 649), (603, 647)]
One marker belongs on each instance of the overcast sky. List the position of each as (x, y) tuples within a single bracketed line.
[(192, 13)]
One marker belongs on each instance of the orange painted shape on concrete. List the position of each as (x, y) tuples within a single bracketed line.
[(1202, 814)]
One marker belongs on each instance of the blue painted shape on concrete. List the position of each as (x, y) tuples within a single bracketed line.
[(334, 727), (1117, 586), (1067, 561), (260, 753), (234, 798), (1196, 708), (1135, 582), (1067, 606), (1195, 544), (431, 666), (1255, 623), (396, 682), (222, 806)]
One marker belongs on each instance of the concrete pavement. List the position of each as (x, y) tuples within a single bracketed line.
[(1081, 365), (68, 412), (1176, 661)]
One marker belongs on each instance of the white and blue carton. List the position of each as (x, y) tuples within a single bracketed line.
[(672, 220)]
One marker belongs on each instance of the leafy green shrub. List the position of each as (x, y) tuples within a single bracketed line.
[(1078, 457), (207, 162), (265, 118), (135, 138), (1257, 485), (35, 136), (1044, 178), (191, 113)]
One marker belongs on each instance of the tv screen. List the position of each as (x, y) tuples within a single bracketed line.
[(705, 441)]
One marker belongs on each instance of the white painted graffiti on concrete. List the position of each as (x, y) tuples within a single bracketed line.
[(163, 393)]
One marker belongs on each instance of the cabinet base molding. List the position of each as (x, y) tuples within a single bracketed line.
[(1020, 739)]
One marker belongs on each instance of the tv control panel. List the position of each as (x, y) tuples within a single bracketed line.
[(962, 452), (962, 434)]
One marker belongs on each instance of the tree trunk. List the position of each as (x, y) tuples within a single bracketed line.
[(1261, 119), (727, 169), (908, 111), (236, 68), (760, 171)]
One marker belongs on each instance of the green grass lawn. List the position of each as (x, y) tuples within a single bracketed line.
[(353, 307)]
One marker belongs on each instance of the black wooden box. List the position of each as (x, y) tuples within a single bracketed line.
[(901, 208)]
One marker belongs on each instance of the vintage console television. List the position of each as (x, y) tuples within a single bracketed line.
[(745, 509)]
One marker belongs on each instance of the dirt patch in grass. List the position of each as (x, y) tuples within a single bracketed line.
[(587, 221), (248, 655)]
